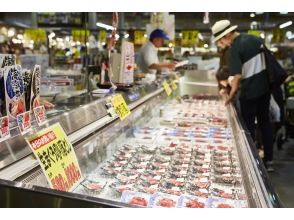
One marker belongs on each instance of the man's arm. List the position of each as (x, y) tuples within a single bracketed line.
[(159, 66), (234, 88)]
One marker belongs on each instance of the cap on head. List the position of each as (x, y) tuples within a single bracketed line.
[(221, 29), (158, 33)]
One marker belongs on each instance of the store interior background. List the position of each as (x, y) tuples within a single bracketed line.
[(71, 42)]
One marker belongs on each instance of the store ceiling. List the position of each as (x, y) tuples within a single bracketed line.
[(183, 20), (188, 20)]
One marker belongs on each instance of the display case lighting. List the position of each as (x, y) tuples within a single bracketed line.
[(11, 33), (20, 36), (262, 35), (51, 35), (286, 24)]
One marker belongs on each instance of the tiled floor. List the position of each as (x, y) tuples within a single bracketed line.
[(283, 177)]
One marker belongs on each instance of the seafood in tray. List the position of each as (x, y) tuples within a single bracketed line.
[(93, 187), (135, 198), (216, 202), (162, 200), (188, 201)]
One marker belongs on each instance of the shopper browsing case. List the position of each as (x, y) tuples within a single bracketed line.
[(147, 58), (247, 65)]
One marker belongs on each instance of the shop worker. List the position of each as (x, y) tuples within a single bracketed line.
[(247, 65), (147, 58)]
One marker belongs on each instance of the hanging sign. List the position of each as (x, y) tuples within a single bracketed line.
[(57, 158)]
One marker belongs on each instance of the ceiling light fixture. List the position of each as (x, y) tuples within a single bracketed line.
[(106, 26), (288, 23)]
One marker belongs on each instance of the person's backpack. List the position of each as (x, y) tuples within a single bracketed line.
[(276, 74)]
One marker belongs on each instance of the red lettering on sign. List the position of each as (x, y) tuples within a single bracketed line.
[(43, 140)]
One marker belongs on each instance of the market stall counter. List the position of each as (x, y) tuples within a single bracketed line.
[(177, 150)]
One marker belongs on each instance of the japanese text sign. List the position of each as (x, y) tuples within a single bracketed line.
[(57, 158)]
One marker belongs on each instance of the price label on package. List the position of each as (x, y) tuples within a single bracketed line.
[(57, 158), (166, 88), (173, 85), (24, 122), (120, 106), (4, 128), (40, 114)]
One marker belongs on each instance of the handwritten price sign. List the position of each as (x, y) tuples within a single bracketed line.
[(166, 88), (120, 106), (173, 85), (57, 158)]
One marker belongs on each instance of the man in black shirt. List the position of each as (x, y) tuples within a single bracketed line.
[(247, 65)]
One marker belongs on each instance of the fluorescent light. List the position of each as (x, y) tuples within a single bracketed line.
[(259, 13), (11, 32), (262, 35), (283, 13), (288, 23), (20, 36), (106, 26), (126, 35), (252, 15), (51, 35)]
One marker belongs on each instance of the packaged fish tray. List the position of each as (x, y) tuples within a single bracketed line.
[(163, 200), (189, 201), (136, 198), (93, 187), (217, 202), (148, 148)]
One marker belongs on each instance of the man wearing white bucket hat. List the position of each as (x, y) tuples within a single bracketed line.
[(247, 65)]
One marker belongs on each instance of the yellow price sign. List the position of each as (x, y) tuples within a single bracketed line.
[(37, 35), (120, 106), (57, 158), (173, 85), (139, 37), (102, 36), (166, 88)]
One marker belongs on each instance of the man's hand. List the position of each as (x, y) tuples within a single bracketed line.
[(171, 66), (228, 101), (223, 92)]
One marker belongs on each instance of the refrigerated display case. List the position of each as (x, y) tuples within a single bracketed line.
[(183, 150)]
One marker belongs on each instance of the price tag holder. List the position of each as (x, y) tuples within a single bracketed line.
[(173, 85), (56, 157), (166, 88), (4, 128), (24, 122), (40, 114), (120, 106)]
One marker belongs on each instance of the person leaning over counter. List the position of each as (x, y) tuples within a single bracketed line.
[(147, 59), (248, 68)]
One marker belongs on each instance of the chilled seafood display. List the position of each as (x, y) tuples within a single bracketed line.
[(171, 165)]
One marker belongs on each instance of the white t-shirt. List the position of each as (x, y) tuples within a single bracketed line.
[(146, 57)]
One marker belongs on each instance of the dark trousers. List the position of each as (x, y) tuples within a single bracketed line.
[(259, 108)]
